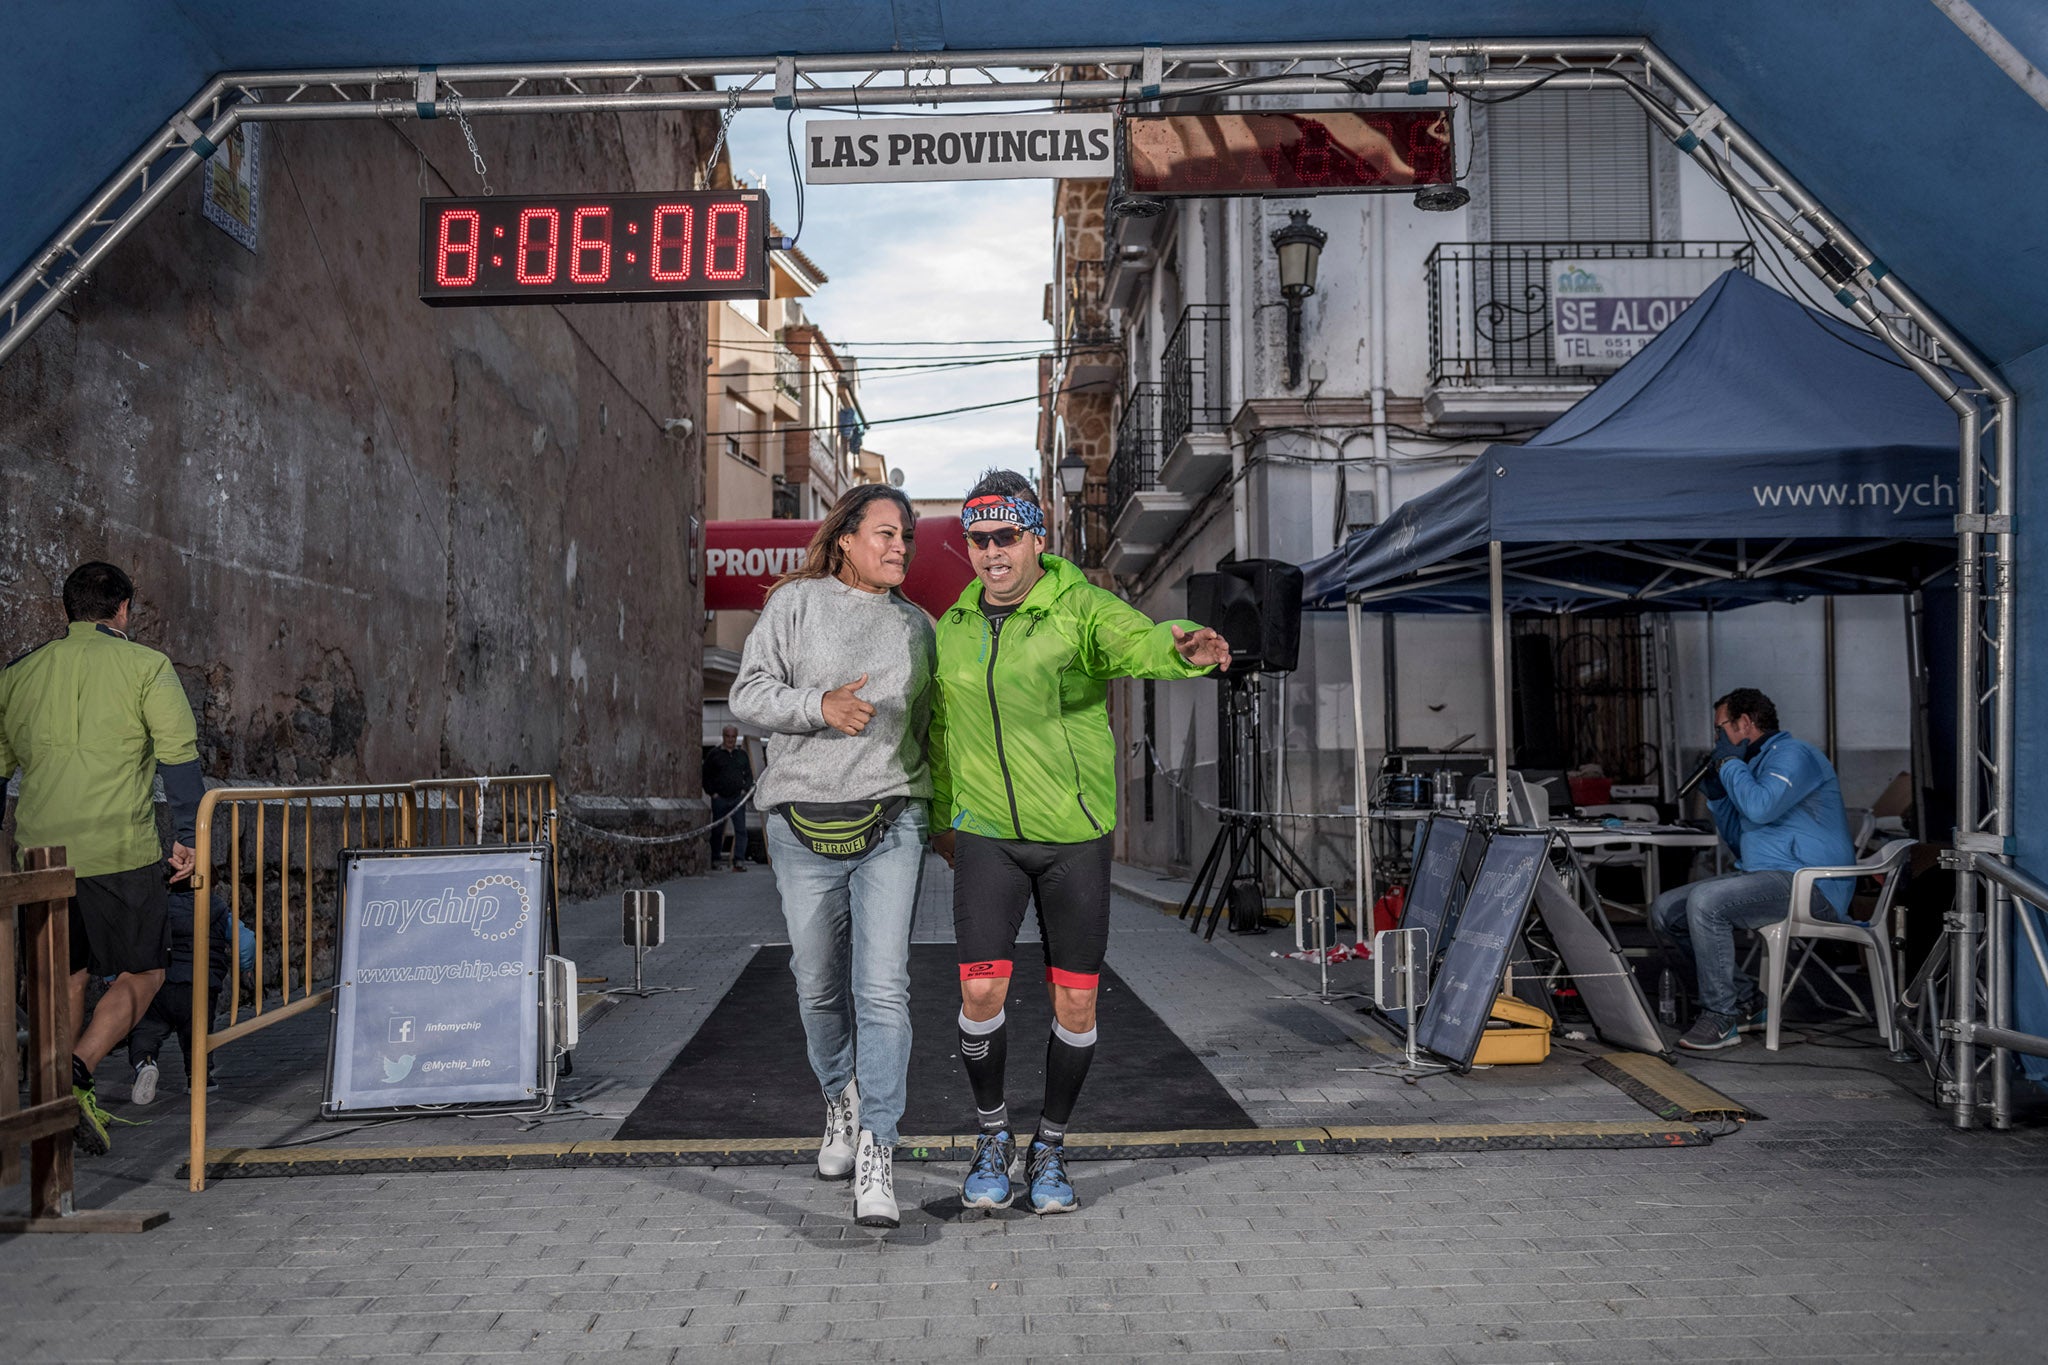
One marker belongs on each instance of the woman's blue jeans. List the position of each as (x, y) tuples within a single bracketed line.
[(849, 936)]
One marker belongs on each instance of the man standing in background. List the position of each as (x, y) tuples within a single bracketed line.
[(90, 718), (728, 778)]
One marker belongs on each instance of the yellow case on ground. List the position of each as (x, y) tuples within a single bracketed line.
[(1525, 1039)]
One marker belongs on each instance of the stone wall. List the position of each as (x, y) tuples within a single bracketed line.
[(383, 541)]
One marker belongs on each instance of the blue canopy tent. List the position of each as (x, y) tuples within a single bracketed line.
[(1754, 451)]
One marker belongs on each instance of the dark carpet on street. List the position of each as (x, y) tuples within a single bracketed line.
[(744, 1074)]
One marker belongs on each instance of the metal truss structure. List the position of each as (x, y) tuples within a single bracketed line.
[(1959, 1011)]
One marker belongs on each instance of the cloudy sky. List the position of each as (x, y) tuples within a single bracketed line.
[(943, 266)]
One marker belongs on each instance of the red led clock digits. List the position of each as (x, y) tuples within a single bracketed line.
[(716, 243), (674, 227), (1312, 153), (451, 249), (590, 252), (535, 261), (594, 247)]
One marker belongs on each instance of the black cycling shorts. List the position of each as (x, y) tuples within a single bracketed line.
[(121, 922), (994, 879)]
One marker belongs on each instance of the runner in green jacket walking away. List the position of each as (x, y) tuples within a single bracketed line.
[(92, 718), (1024, 781)]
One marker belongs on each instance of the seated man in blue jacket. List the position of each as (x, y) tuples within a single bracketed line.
[(1779, 807)]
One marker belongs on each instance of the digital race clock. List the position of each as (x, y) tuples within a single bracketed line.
[(588, 248), (1287, 151)]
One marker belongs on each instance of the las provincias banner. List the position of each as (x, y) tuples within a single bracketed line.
[(743, 558)]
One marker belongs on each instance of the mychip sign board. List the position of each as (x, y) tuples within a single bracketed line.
[(437, 995), (1603, 311)]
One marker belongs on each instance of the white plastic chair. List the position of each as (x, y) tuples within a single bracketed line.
[(1886, 815), (1872, 936)]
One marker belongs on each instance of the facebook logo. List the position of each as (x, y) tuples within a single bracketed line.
[(401, 1030)]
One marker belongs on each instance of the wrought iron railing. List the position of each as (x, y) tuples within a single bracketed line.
[(1489, 304), (788, 370), (1197, 361), (1134, 466), (1085, 318)]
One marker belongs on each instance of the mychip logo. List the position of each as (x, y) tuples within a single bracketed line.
[(487, 908)]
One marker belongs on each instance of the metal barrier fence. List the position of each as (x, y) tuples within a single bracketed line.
[(281, 858)]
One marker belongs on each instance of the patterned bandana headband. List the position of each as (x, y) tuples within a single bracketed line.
[(995, 507)]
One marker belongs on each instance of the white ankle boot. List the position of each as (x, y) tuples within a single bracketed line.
[(874, 1185), (842, 1126)]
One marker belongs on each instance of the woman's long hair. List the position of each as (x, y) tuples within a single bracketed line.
[(823, 558)]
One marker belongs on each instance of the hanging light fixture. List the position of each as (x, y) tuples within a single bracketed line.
[(1300, 249), (1073, 473)]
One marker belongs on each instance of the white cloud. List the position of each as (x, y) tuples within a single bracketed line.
[(924, 262)]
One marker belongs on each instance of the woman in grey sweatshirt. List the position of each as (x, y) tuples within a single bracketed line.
[(839, 668)]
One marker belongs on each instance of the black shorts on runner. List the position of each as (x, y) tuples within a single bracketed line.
[(994, 879), (121, 922)]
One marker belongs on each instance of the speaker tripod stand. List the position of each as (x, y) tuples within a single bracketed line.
[(1247, 839)]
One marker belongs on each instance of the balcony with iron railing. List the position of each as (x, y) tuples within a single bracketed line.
[(1134, 459), (1143, 511), (1194, 448), (1084, 313), (1493, 349), (789, 371), (1089, 355)]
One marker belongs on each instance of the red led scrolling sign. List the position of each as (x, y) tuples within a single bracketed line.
[(589, 248), (1287, 151)]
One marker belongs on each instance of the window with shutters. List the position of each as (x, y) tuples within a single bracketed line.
[(1569, 165)]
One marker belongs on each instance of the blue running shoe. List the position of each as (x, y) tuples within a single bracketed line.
[(1046, 1168), (988, 1178)]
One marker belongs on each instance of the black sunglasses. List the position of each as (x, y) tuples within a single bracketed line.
[(1002, 540)]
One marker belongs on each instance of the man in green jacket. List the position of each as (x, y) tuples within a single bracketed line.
[(1024, 781), (91, 717)]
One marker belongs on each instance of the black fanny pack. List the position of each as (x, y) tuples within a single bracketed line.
[(842, 829)]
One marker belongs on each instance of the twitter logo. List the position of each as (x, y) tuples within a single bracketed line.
[(394, 1072)]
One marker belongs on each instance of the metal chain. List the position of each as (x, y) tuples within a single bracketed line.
[(476, 157), (1173, 781), (732, 107), (739, 813)]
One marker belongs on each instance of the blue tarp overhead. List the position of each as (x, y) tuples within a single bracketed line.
[(1755, 451), (1884, 109)]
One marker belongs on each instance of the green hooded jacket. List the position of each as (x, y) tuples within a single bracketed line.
[(1020, 740)]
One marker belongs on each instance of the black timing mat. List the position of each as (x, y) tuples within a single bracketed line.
[(744, 1074)]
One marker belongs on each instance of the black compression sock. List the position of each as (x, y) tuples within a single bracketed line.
[(1067, 1055), (81, 1074), (985, 1049)]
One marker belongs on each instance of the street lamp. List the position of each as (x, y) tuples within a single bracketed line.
[(1073, 477), (1299, 247), (1073, 472)]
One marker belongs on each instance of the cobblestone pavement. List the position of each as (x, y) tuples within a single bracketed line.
[(1851, 1225)]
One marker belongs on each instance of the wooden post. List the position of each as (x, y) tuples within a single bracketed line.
[(10, 1075), (41, 899), (46, 933)]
